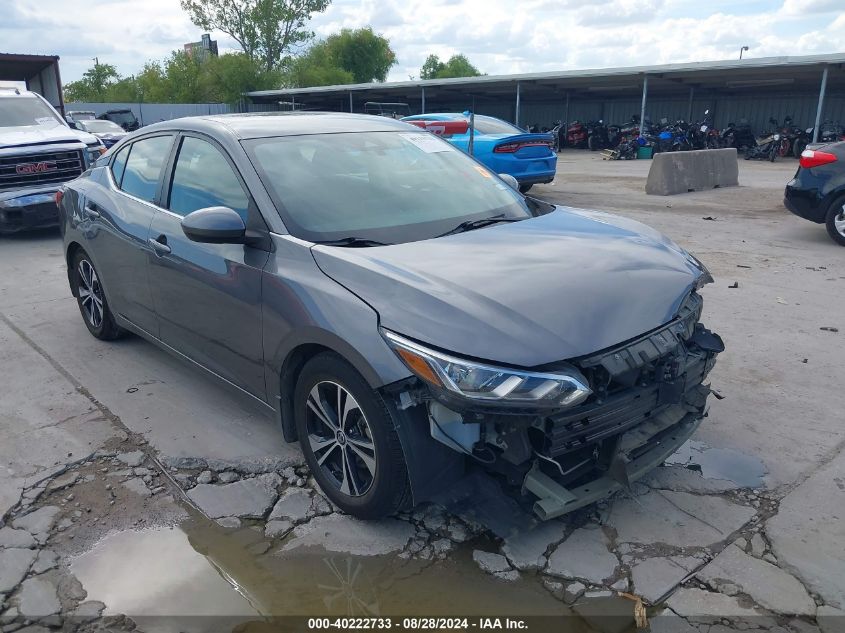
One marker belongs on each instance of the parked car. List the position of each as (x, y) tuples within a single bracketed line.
[(505, 148), (817, 191), (124, 117), (38, 152), (397, 305), (108, 132), (72, 116)]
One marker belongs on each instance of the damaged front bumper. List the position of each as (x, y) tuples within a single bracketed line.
[(554, 499), (648, 397)]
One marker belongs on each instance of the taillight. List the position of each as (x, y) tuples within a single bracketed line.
[(59, 195), (510, 148), (814, 158)]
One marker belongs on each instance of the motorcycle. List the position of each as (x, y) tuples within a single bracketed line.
[(703, 135), (597, 135), (767, 147), (555, 132), (739, 136), (801, 140), (576, 135)]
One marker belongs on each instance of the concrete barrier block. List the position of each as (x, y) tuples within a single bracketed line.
[(680, 172)]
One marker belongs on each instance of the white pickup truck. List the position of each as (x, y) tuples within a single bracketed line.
[(38, 152)]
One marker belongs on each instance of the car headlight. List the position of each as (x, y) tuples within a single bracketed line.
[(488, 383)]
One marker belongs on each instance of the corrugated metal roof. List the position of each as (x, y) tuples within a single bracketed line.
[(686, 68)]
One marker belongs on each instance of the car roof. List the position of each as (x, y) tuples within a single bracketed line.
[(268, 124)]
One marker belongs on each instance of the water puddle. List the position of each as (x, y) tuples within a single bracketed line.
[(719, 463), (225, 580)]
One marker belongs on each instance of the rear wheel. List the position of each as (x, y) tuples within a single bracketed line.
[(799, 146), (835, 221), (92, 301), (348, 439)]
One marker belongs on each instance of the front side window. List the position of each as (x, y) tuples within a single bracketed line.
[(203, 178), (389, 187), (119, 164), (143, 168)]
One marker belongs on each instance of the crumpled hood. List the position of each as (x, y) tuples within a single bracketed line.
[(39, 134), (550, 288)]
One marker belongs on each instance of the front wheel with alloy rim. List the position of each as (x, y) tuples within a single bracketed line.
[(835, 221), (92, 299), (348, 438)]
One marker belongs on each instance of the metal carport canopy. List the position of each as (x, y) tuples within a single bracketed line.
[(767, 75), (39, 72)]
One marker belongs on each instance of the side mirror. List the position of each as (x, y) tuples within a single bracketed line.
[(215, 225), (510, 181)]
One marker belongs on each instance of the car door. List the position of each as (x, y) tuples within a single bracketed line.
[(208, 296), (121, 212)]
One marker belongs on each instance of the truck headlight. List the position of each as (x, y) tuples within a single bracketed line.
[(489, 383), (95, 151)]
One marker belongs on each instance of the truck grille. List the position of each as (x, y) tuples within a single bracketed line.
[(43, 168)]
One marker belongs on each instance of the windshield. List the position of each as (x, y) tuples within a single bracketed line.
[(388, 187), (17, 111), (101, 127), (121, 117)]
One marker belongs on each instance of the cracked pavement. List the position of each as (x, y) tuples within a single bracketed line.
[(101, 439)]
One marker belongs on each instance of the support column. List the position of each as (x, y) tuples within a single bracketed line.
[(642, 108), (422, 92), (350, 102), (821, 106), (689, 109), (516, 122)]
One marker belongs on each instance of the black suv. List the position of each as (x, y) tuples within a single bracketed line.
[(125, 118)]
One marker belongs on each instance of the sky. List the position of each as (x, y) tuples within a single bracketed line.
[(498, 36)]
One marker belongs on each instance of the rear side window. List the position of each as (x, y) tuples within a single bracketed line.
[(119, 164), (203, 178), (143, 168)]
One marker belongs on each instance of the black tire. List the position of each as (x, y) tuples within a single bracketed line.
[(799, 146), (91, 299), (836, 214), (347, 476), (592, 143), (525, 188)]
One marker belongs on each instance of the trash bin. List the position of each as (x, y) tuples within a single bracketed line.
[(645, 152)]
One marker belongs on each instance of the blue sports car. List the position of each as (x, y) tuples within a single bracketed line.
[(504, 148)]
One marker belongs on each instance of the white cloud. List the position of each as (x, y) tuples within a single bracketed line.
[(499, 36)]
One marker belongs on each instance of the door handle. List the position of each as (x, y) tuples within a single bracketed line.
[(159, 245), (92, 212)]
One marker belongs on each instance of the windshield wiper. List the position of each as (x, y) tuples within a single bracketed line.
[(469, 225), (352, 241)]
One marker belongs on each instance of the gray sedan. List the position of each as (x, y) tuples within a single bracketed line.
[(404, 311)]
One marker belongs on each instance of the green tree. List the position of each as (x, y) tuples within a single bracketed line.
[(267, 30), (315, 68), (365, 54), (457, 66), (93, 85), (183, 81), (228, 76), (431, 67)]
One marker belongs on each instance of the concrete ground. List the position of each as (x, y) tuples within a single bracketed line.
[(745, 524)]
